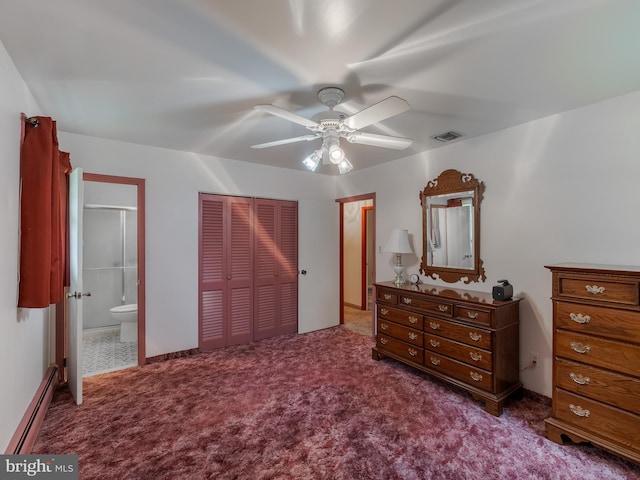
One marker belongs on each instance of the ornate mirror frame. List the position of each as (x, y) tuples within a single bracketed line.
[(451, 182)]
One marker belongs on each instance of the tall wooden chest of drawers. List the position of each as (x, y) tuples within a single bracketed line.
[(459, 336), (596, 357)]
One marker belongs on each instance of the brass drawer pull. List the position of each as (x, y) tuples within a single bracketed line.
[(435, 361), (412, 336), (472, 314), (579, 318), (406, 300), (434, 343), (387, 296), (580, 347), (384, 326), (475, 336), (413, 319), (579, 411), (434, 325), (384, 341), (595, 289), (476, 357), (443, 308), (384, 311), (476, 377), (412, 352), (579, 379)]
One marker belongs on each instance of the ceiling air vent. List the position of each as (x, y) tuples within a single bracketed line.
[(447, 136)]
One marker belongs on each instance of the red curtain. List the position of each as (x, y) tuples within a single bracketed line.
[(43, 216)]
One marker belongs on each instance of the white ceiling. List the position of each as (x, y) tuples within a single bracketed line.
[(185, 74)]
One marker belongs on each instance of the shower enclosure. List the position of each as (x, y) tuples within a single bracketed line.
[(110, 269)]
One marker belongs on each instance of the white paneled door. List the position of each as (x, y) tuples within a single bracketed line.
[(74, 299), (319, 265)]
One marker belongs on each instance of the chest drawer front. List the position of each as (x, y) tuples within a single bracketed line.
[(400, 332), (476, 337), (460, 351), (618, 390), (598, 352), (404, 317), (612, 423), (602, 321), (467, 314), (386, 296), (402, 349), (600, 290), (461, 371), (441, 308)]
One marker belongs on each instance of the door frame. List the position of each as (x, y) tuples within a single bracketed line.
[(140, 199), (140, 183), (342, 201), (366, 241)]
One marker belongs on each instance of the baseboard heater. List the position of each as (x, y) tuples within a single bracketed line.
[(25, 435)]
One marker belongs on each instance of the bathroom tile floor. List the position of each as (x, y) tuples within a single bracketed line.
[(104, 352)]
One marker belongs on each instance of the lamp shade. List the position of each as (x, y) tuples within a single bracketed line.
[(398, 242)]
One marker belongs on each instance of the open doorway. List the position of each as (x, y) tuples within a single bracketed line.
[(115, 210), (357, 262), (113, 322)]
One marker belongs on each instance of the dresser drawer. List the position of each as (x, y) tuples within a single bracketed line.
[(461, 371), (603, 420), (441, 308), (460, 351), (386, 296), (462, 333), (618, 390), (621, 292), (402, 349), (400, 332), (468, 314), (601, 321), (610, 354), (404, 317)]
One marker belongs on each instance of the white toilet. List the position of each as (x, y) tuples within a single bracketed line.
[(127, 315)]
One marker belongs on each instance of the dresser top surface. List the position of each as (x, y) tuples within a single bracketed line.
[(449, 293), (596, 268)]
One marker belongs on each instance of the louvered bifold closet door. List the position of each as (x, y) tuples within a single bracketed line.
[(212, 268), (275, 272), (239, 299), (288, 267), (226, 271)]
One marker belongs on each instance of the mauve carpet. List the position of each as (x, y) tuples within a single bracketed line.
[(312, 406)]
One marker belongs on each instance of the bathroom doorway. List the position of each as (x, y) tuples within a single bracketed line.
[(113, 323)]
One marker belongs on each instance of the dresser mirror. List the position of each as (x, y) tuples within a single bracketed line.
[(451, 228)]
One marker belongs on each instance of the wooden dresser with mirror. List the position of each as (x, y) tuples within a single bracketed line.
[(460, 336), (596, 357)]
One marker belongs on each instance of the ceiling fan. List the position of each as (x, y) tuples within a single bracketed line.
[(332, 125)]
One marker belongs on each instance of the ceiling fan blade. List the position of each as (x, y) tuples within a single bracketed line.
[(386, 141), (287, 115), (386, 108), (275, 143)]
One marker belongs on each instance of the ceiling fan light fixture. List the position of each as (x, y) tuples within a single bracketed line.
[(336, 154), (344, 166), (313, 160), (332, 125)]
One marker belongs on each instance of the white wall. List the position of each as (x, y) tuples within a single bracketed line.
[(564, 188), (23, 335), (173, 180)]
